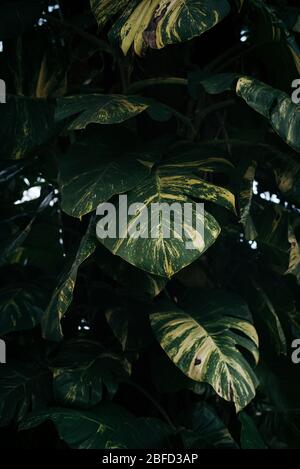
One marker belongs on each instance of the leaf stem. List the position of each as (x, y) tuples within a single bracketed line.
[(156, 404)]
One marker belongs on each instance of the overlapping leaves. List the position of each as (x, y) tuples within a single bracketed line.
[(159, 23)]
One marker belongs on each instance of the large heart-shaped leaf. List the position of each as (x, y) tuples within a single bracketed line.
[(170, 186), (23, 387), (106, 426), (97, 167), (82, 370), (204, 341), (158, 23)]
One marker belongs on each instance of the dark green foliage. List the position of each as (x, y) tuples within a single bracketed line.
[(155, 345)]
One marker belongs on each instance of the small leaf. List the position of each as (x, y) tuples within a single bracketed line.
[(63, 293)]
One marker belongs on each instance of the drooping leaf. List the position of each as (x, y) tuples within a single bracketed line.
[(98, 109), (63, 294), (107, 426), (9, 247), (265, 313), (25, 124), (245, 200), (97, 167), (205, 430), (203, 340), (82, 370), (161, 247), (275, 105), (160, 22)]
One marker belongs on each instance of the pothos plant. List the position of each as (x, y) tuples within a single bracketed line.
[(157, 345)]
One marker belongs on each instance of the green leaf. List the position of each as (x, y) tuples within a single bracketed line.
[(250, 437), (25, 124), (82, 370), (63, 293), (275, 105), (162, 22), (212, 84), (23, 387), (138, 284), (98, 109), (203, 340), (245, 201), (178, 183), (130, 324), (10, 247), (105, 9), (97, 167), (205, 429), (21, 308), (265, 313), (107, 426)]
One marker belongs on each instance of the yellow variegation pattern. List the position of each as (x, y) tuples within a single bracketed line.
[(204, 341), (156, 23), (277, 106), (105, 9), (98, 109), (165, 191)]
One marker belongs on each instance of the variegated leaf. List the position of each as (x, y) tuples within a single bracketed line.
[(98, 166), (106, 426), (20, 309), (63, 293), (245, 199), (157, 23), (23, 387), (98, 109), (166, 190), (275, 105), (82, 370), (205, 429), (204, 339), (25, 124), (105, 9)]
